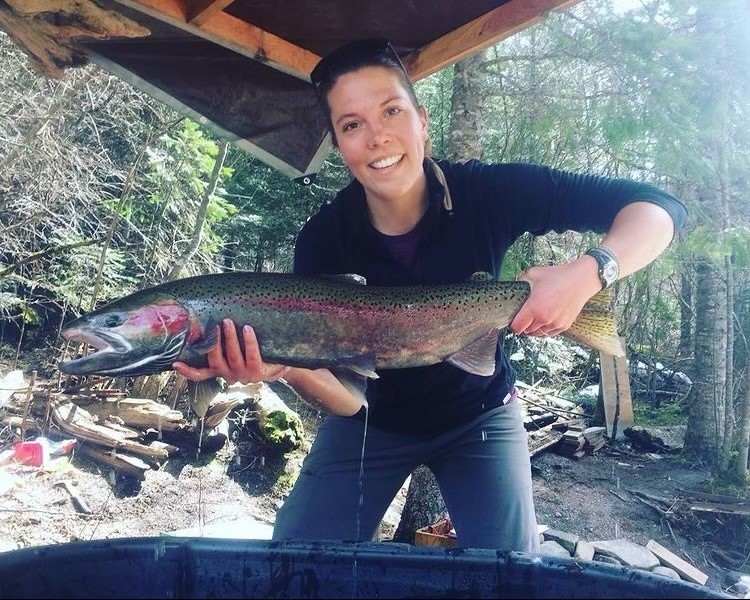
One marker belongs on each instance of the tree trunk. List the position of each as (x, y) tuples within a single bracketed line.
[(466, 109), (200, 218), (685, 350), (423, 506), (725, 455), (743, 444), (708, 395), (424, 502)]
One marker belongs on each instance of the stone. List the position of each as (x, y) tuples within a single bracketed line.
[(584, 550), (566, 540), (628, 553), (7, 546), (666, 572), (610, 560), (550, 548)]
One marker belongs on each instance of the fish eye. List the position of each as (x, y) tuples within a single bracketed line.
[(112, 321)]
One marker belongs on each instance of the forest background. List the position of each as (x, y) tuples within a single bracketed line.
[(103, 190)]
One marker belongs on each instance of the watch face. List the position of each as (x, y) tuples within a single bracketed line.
[(609, 272)]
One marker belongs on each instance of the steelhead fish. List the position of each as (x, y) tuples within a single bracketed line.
[(334, 322)]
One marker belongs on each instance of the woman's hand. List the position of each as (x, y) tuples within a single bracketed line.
[(231, 363), (558, 293)]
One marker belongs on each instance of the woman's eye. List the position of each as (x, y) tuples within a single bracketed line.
[(392, 110), (350, 126)]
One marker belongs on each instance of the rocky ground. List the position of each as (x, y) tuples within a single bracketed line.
[(237, 490)]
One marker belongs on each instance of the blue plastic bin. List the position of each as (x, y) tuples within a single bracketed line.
[(162, 567)]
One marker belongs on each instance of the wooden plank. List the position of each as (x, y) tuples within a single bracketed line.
[(618, 405), (201, 11), (235, 34), (479, 34), (671, 560)]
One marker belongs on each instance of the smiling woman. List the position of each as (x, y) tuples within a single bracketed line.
[(409, 219)]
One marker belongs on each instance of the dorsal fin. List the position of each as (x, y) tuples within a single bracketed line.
[(347, 278), (481, 276)]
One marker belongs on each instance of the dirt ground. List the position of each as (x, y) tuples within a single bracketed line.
[(592, 497)]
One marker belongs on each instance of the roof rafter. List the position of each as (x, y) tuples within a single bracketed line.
[(479, 34), (232, 33)]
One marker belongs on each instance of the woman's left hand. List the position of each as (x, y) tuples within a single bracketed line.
[(558, 293)]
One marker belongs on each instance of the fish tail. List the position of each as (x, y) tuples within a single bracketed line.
[(596, 326)]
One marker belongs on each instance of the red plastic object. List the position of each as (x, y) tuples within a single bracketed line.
[(37, 452), (34, 453)]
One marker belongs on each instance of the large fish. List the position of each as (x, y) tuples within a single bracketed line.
[(334, 322)]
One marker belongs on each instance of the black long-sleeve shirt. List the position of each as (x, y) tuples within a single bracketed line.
[(492, 205)]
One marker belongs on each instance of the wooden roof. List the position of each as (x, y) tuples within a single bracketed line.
[(242, 67)]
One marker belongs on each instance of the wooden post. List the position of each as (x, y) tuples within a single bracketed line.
[(618, 405)]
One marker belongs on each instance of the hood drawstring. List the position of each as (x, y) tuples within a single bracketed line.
[(447, 201)]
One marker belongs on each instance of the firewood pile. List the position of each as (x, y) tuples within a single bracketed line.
[(557, 424), (134, 435)]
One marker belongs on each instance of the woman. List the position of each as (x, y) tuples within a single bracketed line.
[(407, 219)]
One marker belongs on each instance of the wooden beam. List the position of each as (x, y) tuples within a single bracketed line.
[(479, 34), (201, 10), (671, 560), (232, 33), (618, 404)]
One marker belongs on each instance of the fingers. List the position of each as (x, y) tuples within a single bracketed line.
[(234, 359), (233, 356), (253, 359), (542, 314), (193, 373)]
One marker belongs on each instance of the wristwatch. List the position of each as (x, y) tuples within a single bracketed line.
[(609, 268)]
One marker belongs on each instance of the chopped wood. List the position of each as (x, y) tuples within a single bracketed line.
[(77, 422), (537, 443), (140, 413), (124, 463), (671, 560)]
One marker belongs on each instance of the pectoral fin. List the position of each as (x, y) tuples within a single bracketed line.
[(355, 383), (477, 358), (201, 394)]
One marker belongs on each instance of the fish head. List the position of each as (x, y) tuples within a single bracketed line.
[(137, 335)]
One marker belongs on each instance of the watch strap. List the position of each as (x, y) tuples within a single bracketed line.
[(604, 256)]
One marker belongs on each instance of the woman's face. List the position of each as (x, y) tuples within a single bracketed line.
[(380, 133)]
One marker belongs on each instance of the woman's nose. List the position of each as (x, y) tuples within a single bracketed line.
[(379, 134)]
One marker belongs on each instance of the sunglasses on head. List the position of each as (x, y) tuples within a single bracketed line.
[(351, 54)]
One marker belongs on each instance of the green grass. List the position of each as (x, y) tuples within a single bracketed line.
[(666, 415)]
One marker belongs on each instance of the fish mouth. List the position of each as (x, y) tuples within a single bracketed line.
[(101, 341), (114, 355)]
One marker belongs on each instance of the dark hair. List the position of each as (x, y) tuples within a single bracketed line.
[(353, 56)]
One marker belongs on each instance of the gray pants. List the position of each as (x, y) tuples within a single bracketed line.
[(482, 468)]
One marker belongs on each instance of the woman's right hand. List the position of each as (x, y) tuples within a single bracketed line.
[(231, 363)]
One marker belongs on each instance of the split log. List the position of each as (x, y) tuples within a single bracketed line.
[(124, 463), (140, 413), (542, 439), (77, 422)]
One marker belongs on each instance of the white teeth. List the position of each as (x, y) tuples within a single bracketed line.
[(386, 162)]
